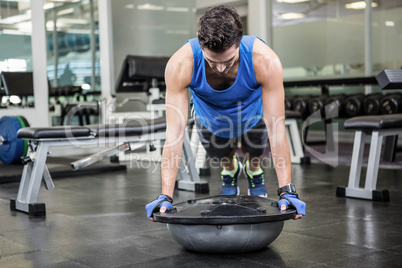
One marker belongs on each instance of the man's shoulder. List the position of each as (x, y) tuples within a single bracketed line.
[(181, 63)]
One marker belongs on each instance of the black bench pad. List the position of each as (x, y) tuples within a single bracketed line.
[(146, 67), (61, 132), (131, 128), (374, 122)]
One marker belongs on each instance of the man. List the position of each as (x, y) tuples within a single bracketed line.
[(236, 83)]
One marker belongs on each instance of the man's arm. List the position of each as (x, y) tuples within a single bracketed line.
[(178, 76), (269, 74)]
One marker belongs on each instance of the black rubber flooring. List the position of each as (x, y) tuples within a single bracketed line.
[(99, 220)]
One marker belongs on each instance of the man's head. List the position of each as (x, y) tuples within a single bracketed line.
[(219, 29)]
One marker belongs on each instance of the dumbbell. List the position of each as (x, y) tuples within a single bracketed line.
[(354, 105), (371, 103), (300, 104), (11, 147), (391, 104), (336, 105), (316, 104), (289, 102)]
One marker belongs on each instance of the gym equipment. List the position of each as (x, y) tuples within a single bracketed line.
[(371, 103), (391, 104), (19, 84), (225, 224), (317, 104), (289, 102), (378, 127), (300, 104), (354, 105), (293, 136), (138, 73), (11, 147), (390, 79), (137, 131), (335, 105)]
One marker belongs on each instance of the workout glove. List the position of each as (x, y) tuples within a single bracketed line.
[(294, 202), (161, 201)]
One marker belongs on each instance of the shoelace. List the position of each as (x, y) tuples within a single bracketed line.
[(227, 179), (256, 180)]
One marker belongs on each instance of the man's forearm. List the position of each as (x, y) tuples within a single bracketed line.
[(281, 158), (171, 159)]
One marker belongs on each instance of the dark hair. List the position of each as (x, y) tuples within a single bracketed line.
[(220, 28)]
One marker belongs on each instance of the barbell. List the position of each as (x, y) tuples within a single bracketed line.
[(11, 147)]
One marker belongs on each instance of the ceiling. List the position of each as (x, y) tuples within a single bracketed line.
[(75, 15)]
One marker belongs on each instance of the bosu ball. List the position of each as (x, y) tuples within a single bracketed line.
[(225, 224)]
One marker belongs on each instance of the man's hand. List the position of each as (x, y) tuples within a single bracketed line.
[(294, 202), (161, 204)]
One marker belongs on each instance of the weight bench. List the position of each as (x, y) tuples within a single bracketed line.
[(134, 131), (378, 127)]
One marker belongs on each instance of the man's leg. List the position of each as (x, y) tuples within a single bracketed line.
[(222, 150), (254, 143)]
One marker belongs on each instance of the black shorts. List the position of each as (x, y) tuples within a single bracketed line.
[(254, 141)]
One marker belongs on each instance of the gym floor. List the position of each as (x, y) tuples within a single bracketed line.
[(99, 221)]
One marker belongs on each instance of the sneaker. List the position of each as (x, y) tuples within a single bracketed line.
[(256, 183), (229, 183)]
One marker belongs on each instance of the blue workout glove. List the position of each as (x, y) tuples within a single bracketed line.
[(294, 202), (161, 201)]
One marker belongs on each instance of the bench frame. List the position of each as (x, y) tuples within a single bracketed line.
[(369, 191), (36, 171)]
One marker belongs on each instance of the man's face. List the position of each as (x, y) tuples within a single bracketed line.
[(221, 63)]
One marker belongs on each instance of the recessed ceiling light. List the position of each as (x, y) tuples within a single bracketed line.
[(359, 5), (150, 7), (292, 1), (390, 23), (291, 16)]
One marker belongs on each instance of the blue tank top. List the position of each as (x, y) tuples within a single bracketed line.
[(231, 112)]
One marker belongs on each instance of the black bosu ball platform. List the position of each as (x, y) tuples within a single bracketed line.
[(225, 224)]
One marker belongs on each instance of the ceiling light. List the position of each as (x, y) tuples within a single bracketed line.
[(48, 6), (359, 5), (150, 7), (291, 1), (390, 23), (25, 27), (14, 32), (16, 18), (291, 16), (178, 9), (73, 21), (129, 6), (65, 11)]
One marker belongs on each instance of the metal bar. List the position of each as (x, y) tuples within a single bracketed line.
[(37, 173), (47, 179), (332, 82), (374, 160), (190, 159), (92, 159), (294, 140), (92, 45), (390, 147), (357, 160), (55, 49)]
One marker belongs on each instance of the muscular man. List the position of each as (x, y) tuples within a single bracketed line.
[(236, 82)]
